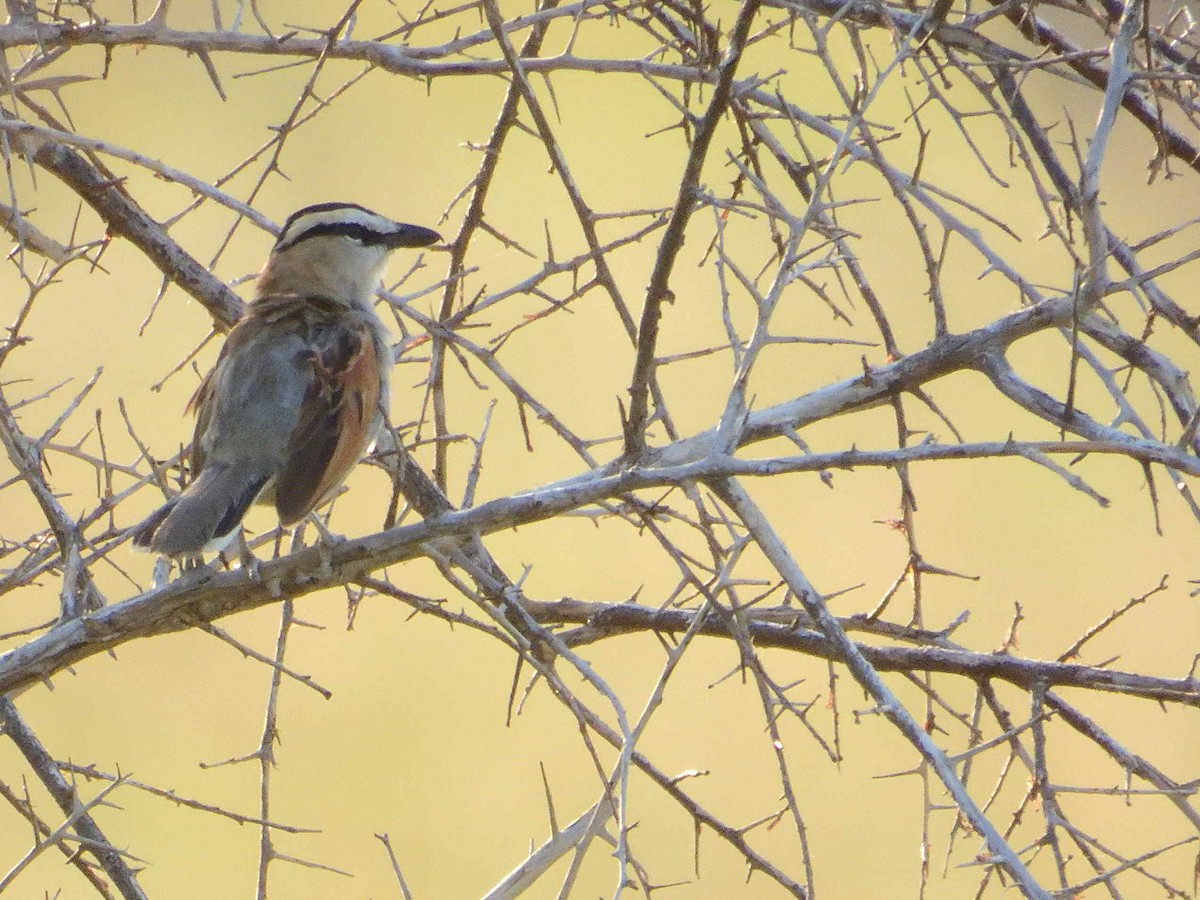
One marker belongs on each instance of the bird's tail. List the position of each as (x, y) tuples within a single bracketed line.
[(203, 518)]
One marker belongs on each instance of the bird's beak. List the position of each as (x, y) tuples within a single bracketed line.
[(404, 235)]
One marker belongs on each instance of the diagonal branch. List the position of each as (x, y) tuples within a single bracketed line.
[(68, 801), (865, 674), (124, 217), (658, 291)]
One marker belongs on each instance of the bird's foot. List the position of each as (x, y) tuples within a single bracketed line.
[(325, 545), (193, 568), (162, 572), (250, 563)]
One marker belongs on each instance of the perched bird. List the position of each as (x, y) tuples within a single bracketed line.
[(299, 390)]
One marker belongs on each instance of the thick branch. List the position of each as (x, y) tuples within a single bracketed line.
[(126, 218), (208, 595)]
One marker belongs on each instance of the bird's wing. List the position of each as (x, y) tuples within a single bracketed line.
[(202, 402), (336, 421)]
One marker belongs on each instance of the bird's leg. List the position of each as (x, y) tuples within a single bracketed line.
[(162, 571), (246, 556), (327, 536), (325, 544), (195, 567)]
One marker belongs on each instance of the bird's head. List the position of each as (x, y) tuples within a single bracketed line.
[(336, 250)]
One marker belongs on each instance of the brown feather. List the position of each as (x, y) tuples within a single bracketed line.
[(336, 422), (299, 387)]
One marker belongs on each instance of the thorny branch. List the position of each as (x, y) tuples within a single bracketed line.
[(845, 155)]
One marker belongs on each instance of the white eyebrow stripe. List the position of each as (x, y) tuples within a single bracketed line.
[(342, 215)]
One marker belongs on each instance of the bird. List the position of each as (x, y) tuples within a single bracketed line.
[(300, 388)]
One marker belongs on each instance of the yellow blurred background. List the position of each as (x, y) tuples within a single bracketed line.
[(414, 742)]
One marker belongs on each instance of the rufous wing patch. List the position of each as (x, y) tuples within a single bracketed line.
[(335, 421)]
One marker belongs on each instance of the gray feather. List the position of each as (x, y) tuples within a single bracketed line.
[(205, 515)]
